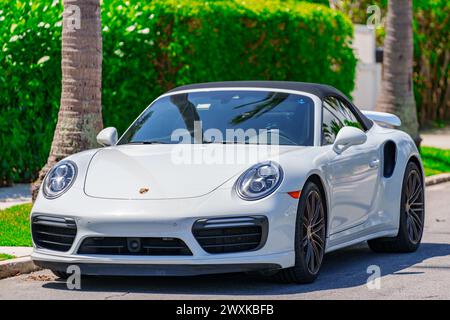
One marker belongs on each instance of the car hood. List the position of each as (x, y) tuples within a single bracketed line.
[(169, 171)]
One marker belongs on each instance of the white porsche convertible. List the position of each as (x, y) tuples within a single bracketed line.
[(233, 177)]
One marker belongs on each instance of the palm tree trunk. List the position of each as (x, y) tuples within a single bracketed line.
[(397, 95), (80, 114)]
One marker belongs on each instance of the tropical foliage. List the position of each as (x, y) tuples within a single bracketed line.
[(431, 23)]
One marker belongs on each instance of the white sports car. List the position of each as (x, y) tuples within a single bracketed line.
[(231, 177)]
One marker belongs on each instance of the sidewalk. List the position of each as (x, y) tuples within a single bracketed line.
[(17, 194), (438, 138), (17, 252)]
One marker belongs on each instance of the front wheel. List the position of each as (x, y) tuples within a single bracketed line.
[(309, 238), (412, 215)]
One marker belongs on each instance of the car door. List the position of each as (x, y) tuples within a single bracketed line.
[(353, 174)]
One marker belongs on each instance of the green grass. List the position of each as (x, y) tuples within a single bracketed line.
[(435, 160), (4, 256), (15, 226)]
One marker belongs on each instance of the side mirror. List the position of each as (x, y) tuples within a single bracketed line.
[(107, 137), (347, 137)]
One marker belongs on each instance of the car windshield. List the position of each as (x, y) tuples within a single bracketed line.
[(237, 116)]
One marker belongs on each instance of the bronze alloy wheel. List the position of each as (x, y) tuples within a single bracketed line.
[(414, 206), (310, 237), (411, 218), (313, 231)]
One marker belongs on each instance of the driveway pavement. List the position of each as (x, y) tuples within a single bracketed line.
[(424, 274), (436, 138), (17, 252), (17, 194)]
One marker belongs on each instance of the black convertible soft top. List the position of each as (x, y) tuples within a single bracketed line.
[(320, 90)]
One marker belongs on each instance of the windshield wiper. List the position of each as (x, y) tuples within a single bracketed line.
[(224, 142), (147, 142)]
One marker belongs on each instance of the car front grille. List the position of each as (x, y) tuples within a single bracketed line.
[(134, 246), (227, 235), (54, 233)]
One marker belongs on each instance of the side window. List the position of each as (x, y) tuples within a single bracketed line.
[(330, 124), (344, 113), (350, 119), (336, 114)]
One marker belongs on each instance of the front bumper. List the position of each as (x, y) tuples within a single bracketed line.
[(168, 218), (118, 268)]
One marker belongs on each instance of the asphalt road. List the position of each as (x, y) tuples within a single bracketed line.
[(424, 274)]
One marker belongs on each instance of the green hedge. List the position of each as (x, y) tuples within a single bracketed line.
[(30, 63), (431, 60), (152, 47)]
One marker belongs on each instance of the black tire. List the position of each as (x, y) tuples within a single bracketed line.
[(310, 234), (412, 215), (60, 274)]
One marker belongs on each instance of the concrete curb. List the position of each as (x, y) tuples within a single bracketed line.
[(437, 178), (13, 267)]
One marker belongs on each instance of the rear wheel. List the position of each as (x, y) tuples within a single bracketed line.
[(412, 216), (309, 238)]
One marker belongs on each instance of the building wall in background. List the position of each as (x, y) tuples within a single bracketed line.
[(368, 72)]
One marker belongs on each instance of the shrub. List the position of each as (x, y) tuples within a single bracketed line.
[(30, 63), (154, 46), (324, 2), (432, 59)]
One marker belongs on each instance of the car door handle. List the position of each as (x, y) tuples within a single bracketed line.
[(374, 163)]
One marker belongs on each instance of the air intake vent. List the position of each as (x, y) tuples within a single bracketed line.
[(226, 235), (54, 233), (134, 246)]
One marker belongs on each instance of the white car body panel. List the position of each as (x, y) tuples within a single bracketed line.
[(117, 172), (361, 203)]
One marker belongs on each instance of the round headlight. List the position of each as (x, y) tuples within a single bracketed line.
[(59, 179), (259, 181)]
